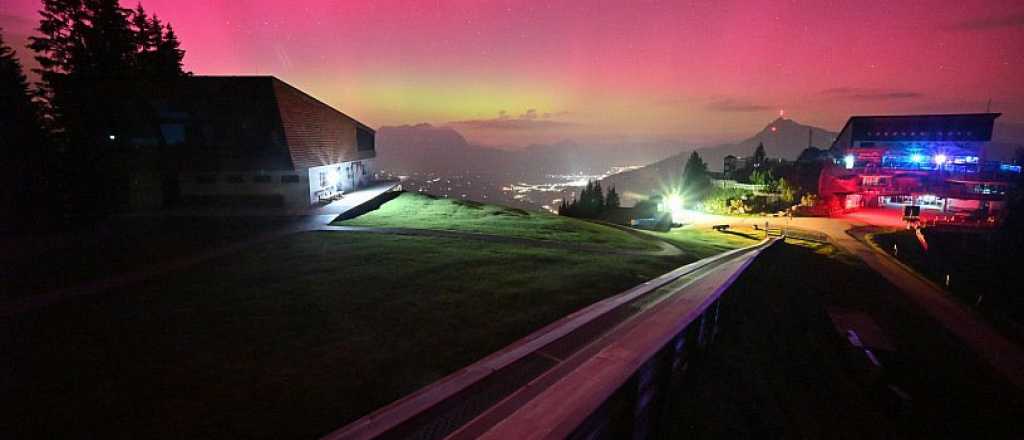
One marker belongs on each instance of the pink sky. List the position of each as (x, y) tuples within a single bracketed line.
[(518, 72)]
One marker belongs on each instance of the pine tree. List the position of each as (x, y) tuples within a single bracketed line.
[(696, 182), (19, 123), (142, 32), (90, 52), (612, 199), (759, 155), (22, 144), (169, 55)]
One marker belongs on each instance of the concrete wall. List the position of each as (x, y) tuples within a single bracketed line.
[(344, 176), (255, 184)]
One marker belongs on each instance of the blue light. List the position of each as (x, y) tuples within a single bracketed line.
[(916, 158)]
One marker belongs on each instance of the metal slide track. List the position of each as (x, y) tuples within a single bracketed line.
[(474, 393)]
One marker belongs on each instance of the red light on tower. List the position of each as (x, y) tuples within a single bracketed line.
[(773, 128)]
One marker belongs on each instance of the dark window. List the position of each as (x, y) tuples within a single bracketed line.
[(174, 134), (206, 179), (364, 139), (290, 179), (261, 179), (235, 179)]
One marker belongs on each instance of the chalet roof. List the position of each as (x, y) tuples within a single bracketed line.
[(241, 123), (964, 127)]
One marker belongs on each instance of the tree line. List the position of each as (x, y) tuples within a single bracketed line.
[(53, 128), (592, 202)]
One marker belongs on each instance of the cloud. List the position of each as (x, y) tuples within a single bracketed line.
[(869, 94), (1013, 20), (528, 120), (736, 106)]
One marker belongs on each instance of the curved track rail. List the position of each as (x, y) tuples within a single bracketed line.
[(470, 401)]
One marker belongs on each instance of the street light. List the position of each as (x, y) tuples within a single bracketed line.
[(848, 161)]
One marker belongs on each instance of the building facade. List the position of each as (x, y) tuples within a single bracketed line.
[(249, 140), (937, 162)]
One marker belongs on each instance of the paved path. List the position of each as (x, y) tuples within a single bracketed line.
[(1003, 355)]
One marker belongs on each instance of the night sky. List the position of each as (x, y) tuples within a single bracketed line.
[(511, 73)]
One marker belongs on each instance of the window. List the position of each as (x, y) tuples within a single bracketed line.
[(235, 179), (261, 179), (206, 180), (290, 179), (364, 139), (174, 134), (323, 179)]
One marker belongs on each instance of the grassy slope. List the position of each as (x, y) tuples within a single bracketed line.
[(704, 242), (415, 210), (117, 246), (780, 369), (290, 339)]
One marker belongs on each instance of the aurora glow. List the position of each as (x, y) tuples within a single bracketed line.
[(702, 71)]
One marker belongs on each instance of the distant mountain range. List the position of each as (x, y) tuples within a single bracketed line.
[(425, 148), (783, 138), (442, 150)]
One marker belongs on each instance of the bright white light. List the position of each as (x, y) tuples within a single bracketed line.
[(848, 161), (112, 137), (674, 202), (332, 177), (940, 159), (916, 158)]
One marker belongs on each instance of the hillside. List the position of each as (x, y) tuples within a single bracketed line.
[(787, 140), (420, 211), (426, 148)]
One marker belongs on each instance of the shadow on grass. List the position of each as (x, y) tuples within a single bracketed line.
[(371, 205), (741, 234)]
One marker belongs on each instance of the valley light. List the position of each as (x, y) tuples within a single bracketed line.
[(848, 161), (940, 159)]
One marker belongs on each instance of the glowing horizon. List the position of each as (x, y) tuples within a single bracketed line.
[(513, 73)]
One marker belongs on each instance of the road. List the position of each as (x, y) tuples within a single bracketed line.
[(1003, 355)]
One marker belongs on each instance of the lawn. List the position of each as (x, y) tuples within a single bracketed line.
[(780, 369), (422, 211), (291, 338), (703, 242), (42, 264)]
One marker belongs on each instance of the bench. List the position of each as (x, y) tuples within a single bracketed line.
[(326, 195)]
